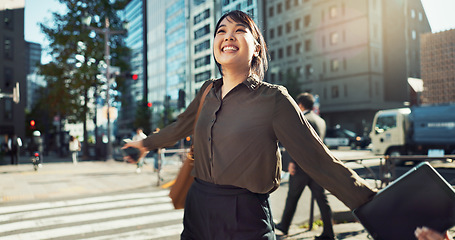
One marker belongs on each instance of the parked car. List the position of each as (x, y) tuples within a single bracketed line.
[(337, 137)]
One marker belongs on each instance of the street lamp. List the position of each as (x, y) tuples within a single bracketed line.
[(107, 33)]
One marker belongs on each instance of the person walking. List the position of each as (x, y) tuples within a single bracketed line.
[(14, 145), (237, 160), (298, 179), (75, 147), (140, 135)]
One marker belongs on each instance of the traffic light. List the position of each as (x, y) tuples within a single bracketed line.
[(134, 77), (181, 100), (149, 104), (32, 124)]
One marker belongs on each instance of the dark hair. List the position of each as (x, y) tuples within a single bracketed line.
[(306, 99), (259, 64)]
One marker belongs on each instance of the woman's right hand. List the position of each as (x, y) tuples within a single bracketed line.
[(425, 233), (137, 144)]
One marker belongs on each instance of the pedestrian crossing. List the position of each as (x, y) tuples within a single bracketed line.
[(140, 215)]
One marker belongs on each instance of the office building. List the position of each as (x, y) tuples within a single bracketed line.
[(438, 67), (356, 55), (12, 62)]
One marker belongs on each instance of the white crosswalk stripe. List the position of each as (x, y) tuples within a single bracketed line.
[(143, 215)]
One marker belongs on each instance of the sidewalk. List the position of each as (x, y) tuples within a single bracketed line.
[(59, 179)]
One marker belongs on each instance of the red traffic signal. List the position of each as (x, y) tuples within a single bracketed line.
[(134, 76), (32, 123), (149, 104)]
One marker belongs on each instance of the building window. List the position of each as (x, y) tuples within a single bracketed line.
[(414, 34), (238, 7), (334, 65), (345, 89), (8, 18), (307, 20), (307, 45), (333, 38), (324, 67), (8, 48), (8, 74), (280, 30), (333, 12), (345, 64), (249, 2), (202, 46), (299, 71), (335, 92), (288, 27), (323, 41), (271, 11), (202, 31), (413, 13), (289, 51), (202, 16), (298, 48), (296, 2), (203, 76), (279, 8), (280, 53), (272, 55), (288, 4), (203, 61), (297, 24), (272, 33), (251, 13), (225, 2), (308, 70), (420, 16)]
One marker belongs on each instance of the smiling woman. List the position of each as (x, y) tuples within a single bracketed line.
[(237, 159)]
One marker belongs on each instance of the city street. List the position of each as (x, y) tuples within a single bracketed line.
[(109, 200)]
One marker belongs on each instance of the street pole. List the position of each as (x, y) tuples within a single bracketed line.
[(107, 33), (108, 79)]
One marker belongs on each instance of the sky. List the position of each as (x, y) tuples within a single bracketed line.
[(439, 14)]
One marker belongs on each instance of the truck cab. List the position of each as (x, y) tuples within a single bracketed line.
[(389, 132)]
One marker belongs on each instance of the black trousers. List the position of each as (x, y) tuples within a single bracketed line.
[(220, 212), (297, 184), (14, 157)]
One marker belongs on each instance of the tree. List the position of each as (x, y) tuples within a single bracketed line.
[(78, 55), (292, 84), (143, 117)]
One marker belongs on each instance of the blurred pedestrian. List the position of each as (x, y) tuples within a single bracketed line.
[(75, 147), (140, 135), (237, 160), (298, 179), (14, 146)]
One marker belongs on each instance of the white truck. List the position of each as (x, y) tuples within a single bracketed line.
[(422, 130)]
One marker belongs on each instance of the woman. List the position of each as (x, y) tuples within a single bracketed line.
[(237, 159)]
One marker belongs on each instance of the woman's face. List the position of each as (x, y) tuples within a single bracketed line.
[(234, 45)]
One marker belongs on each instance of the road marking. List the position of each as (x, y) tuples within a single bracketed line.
[(56, 204), (80, 208), (153, 233), (97, 227)]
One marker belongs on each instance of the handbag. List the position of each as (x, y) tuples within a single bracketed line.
[(184, 179)]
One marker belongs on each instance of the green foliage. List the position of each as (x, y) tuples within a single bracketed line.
[(78, 53), (143, 117)]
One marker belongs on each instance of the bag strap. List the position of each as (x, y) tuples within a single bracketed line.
[(206, 92)]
